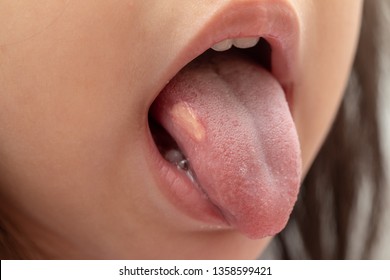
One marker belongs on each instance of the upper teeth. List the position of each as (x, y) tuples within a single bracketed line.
[(242, 43)]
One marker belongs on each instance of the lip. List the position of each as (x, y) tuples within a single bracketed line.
[(275, 21)]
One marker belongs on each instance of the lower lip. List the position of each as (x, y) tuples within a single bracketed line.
[(180, 191)]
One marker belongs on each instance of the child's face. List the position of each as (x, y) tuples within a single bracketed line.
[(80, 175)]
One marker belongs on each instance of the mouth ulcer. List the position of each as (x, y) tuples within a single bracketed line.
[(224, 122)]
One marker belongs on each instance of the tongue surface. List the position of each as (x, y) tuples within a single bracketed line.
[(231, 120)]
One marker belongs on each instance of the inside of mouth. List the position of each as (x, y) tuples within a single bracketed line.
[(170, 150), (166, 144)]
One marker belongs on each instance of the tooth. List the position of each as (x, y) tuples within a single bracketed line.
[(174, 156), (244, 43), (183, 165), (223, 45)]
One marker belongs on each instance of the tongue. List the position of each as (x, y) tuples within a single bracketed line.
[(231, 120)]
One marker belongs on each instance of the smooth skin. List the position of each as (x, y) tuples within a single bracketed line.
[(76, 81)]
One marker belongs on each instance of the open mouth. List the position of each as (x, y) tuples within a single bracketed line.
[(227, 146), (255, 49)]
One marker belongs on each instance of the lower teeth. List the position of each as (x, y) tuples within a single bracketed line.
[(174, 156), (170, 150), (183, 164), (177, 158)]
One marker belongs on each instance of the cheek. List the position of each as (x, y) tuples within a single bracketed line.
[(70, 120), (328, 46)]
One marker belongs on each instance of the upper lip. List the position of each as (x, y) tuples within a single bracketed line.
[(275, 21)]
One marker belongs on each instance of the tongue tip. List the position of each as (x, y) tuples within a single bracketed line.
[(259, 232), (266, 227), (266, 214)]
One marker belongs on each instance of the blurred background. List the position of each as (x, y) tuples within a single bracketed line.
[(380, 35), (383, 246)]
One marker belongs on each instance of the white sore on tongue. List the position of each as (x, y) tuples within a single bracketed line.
[(230, 118), (187, 120)]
